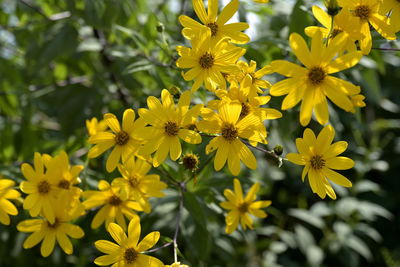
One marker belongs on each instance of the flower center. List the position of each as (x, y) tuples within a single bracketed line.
[(190, 161), (335, 32), (316, 75), (53, 225), (43, 187), (245, 110), (121, 138), (213, 27), (130, 255), (133, 181), (64, 184), (191, 127), (317, 162), (171, 128), (244, 207), (229, 132), (362, 11), (206, 61), (114, 201)]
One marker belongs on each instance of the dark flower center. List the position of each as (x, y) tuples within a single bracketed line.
[(363, 12), (130, 255), (190, 161), (133, 181), (53, 225), (114, 201), (229, 132), (335, 32), (43, 187), (206, 61), (316, 75), (121, 138), (171, 128), (64, 184), (213, 27), (245, 110), (244, 207), (317, 162)]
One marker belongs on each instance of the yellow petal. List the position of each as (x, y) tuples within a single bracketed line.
[(337, 178), (339, 163), (107, 260), (117, 233), (300, 49), (106, 246), (48, 244), (113, 158), (228, 12), (64, 242), (34, 239), (148, 241), (324, 139)]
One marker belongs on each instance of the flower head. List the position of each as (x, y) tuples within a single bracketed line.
[(319, 157), (241, 207), (6, 206), (128, 250), (93, 126)]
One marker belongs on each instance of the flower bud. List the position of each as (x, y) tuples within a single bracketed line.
[(332, 6), (278, 150), (190, 161)]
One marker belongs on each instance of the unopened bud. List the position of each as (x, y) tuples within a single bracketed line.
[(160, 27), (190, 161), (175, 90), (278, 150), (333, 7)]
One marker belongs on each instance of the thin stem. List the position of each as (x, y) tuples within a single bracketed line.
[(36, 9), (161, 247), (182, 188)]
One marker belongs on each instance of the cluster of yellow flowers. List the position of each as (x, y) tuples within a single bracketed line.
[(233, 122)]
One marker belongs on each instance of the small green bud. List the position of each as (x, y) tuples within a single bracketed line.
[(175, 90), (333, 7), (278, 150), (160, 27)]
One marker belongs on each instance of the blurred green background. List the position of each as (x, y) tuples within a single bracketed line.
[(62, 62)]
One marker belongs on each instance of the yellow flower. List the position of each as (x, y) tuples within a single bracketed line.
[(40, 188), (230, 128), (343, 23), (168, 126), (312, 84), (177, 264), (367, 12), (138, 184), (257, 84), (261, 1), (319, 157), (208, 61), (64, 177), (93, 126), (216, 23), (7, 207), (392, 6), (358, 101), (49, 232), (240, 208), (115, 205), (123, 140), (127, 251)]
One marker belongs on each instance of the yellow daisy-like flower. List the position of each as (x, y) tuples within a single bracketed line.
[(64, 177), (343, 23), (392, 6), (313, 84), (208, 61), (367, 12), (115, 205), (319, 157), (216, 23), (168, 126), (257, 84), (40, 188), (50, 232), (139, 185), (128, 251), (94, 126), (6, 206), (177, 264), (123, 139), (240, 208), (230, 128)]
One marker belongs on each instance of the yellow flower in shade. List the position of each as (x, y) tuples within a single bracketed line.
[(319, 157), (60, 230), (392, 6), (127, 251), (208, 61), (216, 23), (64, 177), (240, 208), (122, 139), (6, 206), (227, 124), (343, 23), (257, 84), (40, 188), (177, 264), (93, 126), (168, 126), (312, 84), (138, 184), (367, 12), (114, 203)]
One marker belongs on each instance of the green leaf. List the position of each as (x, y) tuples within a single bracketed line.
[(194, 207)]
